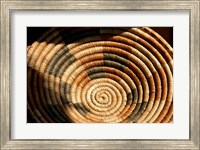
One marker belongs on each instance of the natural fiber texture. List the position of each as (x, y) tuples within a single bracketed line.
[(100, 75)]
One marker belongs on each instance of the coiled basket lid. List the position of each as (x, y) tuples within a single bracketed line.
[(100, 75)]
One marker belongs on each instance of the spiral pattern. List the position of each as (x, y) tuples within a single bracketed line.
[(100, 75)]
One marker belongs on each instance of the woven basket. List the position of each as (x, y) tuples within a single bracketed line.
[(100, 75)]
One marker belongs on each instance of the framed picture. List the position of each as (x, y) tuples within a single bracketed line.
[(106, 55), (99, 74)]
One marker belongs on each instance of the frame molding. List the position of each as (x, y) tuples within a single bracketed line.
[(5, 72)]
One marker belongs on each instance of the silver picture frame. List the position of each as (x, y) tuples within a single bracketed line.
[(7, 6)]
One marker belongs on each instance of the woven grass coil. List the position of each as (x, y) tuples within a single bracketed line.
[(100, 75)]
